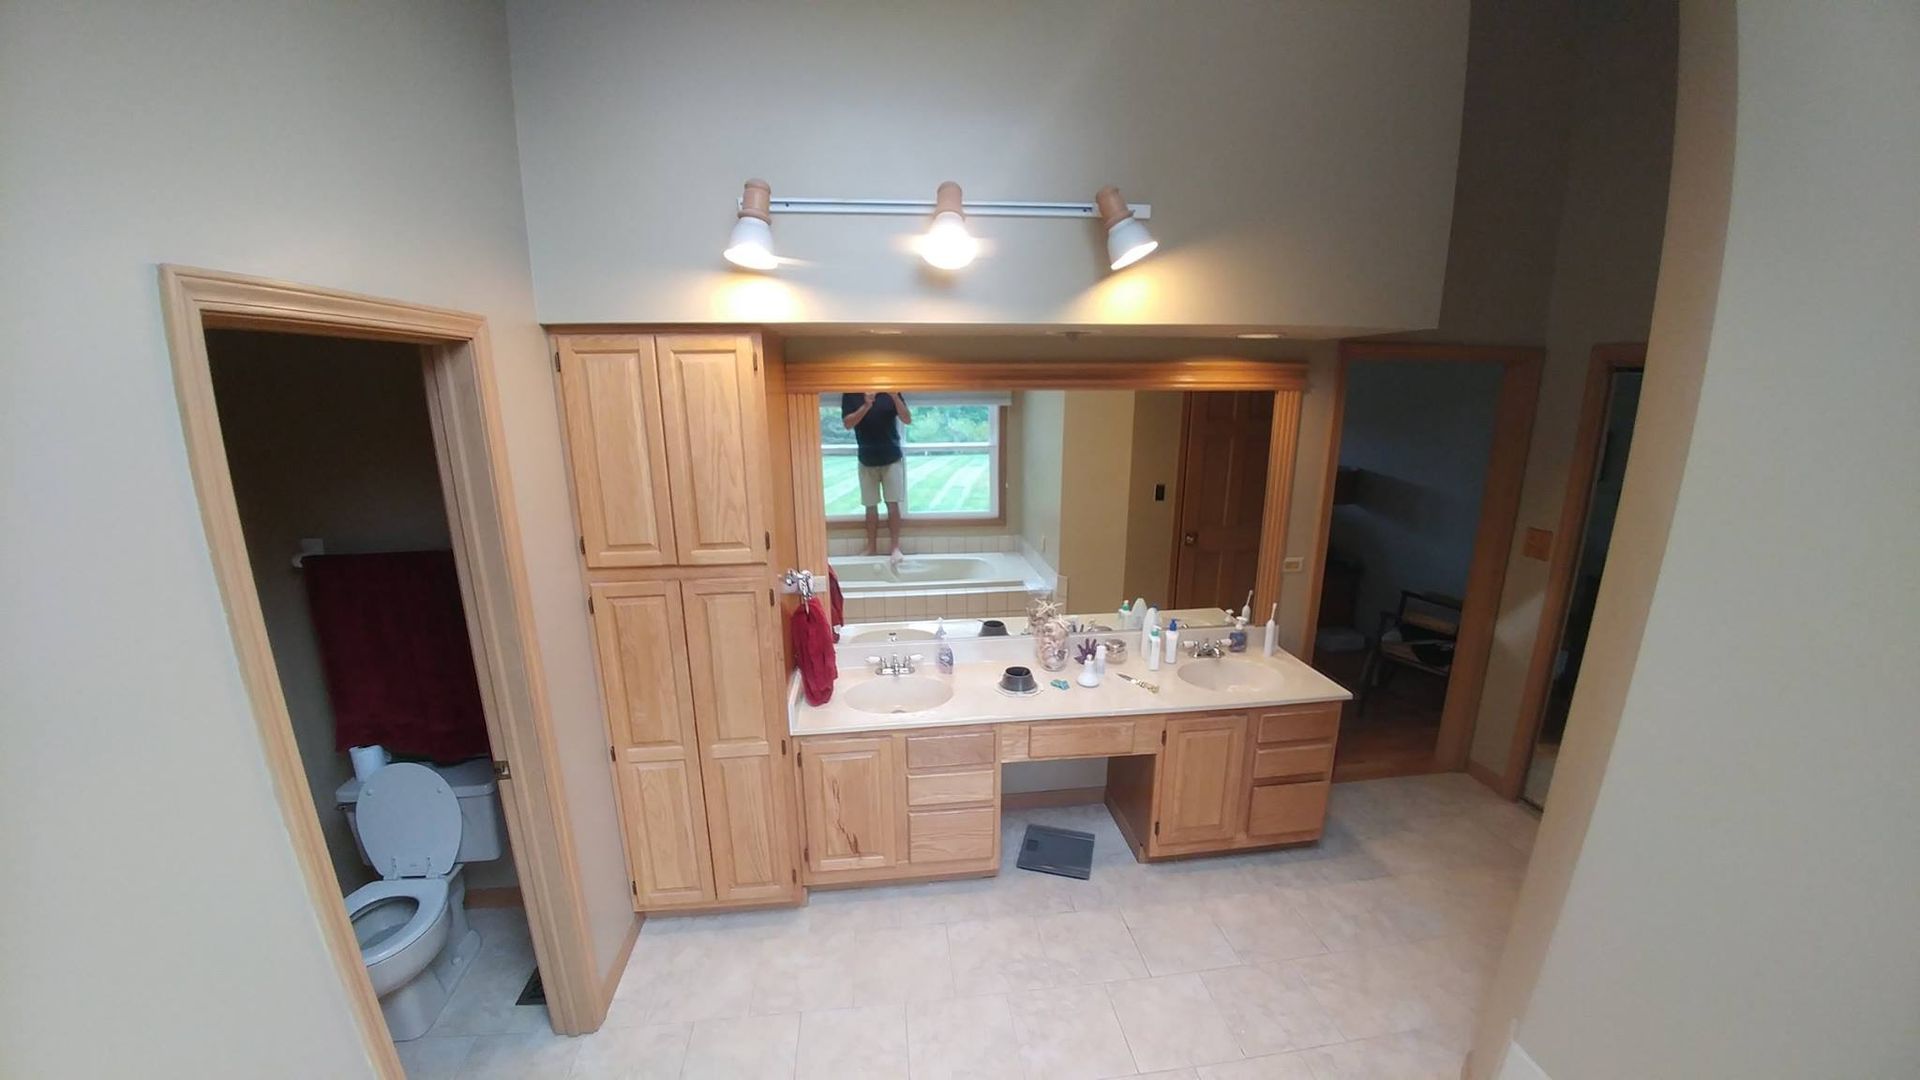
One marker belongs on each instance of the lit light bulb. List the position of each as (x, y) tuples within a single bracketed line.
[(750, 244), (947, 244)]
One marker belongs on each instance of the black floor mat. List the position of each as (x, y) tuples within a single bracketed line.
[(1056, 851), (533, 993)]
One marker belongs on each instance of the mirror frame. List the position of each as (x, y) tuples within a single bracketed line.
[(910, 371)]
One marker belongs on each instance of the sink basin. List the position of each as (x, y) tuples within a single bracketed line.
[(1229, 674), (903, 634), (898, 694)]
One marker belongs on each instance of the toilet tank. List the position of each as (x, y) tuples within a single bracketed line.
[(483, 834)]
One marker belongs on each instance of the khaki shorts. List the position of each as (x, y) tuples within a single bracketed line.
[(888, 479)]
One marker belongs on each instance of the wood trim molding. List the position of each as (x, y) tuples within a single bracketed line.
[(1035, 800), (491, 569), (1514, 409), (809, 492), (1268, 578), (906, 371), (1574, 507)]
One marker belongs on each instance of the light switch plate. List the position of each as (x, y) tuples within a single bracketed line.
[(1537, 544), (1293, 564)]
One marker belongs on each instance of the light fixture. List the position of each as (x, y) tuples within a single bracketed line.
[(751, 242), (1127, 240), (947, 244), (1261, 336)]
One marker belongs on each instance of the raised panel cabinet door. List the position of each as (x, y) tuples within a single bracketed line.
[(639, 630), (738, 707), (849, 793), (617, 444), (716, 420), (1201, 785)]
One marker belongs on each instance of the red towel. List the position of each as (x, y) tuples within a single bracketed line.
[(813, 651), (393, 646), (839, 598)]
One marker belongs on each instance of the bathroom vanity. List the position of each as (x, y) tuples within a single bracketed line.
[(1229, 754)]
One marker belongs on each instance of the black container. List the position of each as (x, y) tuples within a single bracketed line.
[(1019, 680), (993, 628)]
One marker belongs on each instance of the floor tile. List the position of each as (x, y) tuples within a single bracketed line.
[(1175, 938), (483, 1004), (1270, 1009), (1385, 991), (1263, 926), (1090, 946), (533, 1055), (744, 1048), (434, 1057), (1347, 916), (1269, 1067), (637, 1053), (801, 974), (868, 1043), (1172, 1022), (996, 956), (1414, 1055), (904, 964), (1069, 1033), (970, 1037)]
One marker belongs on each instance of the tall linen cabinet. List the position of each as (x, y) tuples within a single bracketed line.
[(667, 437)]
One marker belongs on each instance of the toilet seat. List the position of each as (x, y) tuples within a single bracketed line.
[(409, 821), (429, 896)]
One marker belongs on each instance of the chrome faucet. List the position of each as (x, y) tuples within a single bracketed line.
[(895, 664), (1212, 650)]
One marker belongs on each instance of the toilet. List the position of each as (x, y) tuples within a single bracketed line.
[(412, 923)]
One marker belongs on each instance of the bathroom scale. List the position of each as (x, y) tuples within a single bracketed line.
[(1057, 851)]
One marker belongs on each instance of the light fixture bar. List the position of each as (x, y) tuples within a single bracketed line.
[(923, 207)]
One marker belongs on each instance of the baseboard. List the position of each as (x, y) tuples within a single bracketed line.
[(499, 896), (1034, 800), (1493, 780)]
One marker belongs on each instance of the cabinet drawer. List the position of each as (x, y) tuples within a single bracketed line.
[(1080, 738), (1310, 760), (958, 748), (936, 836), (1299, 723), (945, 789), (1277, 809)]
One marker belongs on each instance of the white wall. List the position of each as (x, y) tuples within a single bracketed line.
[(163, 928), (1723, 884), (1299, 156)]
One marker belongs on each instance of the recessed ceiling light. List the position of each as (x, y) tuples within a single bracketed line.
[(1127, 240), (947, 244), (1257, 337), (751, 242)]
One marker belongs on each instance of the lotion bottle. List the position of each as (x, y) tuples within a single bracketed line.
[(1153, 648), (1148, 625), (1172, 637), (1273, 633), (1237, 637)]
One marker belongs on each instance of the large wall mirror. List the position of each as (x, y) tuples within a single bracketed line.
[(949, 493)]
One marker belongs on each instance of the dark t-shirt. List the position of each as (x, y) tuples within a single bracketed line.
[(878, 432)]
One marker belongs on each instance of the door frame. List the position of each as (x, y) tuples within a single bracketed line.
[(461, 394), (1575, 505), (1513, 414)]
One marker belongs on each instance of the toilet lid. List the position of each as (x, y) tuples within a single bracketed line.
[(409, 821)]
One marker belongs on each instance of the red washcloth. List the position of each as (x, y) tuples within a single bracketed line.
[(813, 651)]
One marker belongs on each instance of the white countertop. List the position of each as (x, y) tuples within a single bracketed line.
[(977, 699)]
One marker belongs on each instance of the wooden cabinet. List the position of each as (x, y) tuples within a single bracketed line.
[(849, 795), (732, 652), (715, 412), (610, 388), (1201, 790), (1292, 773), (639, 628)]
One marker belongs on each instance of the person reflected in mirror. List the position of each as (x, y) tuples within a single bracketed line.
[(875, 418)]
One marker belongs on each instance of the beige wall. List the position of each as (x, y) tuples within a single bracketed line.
[(1723, 879), (1150, 523), (327, 438), (1299, 157), (1095, 474), (1041, 417), (365, 148)]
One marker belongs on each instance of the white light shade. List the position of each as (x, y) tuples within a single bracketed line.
[(751, 244), (1128, 242), (947, 244)]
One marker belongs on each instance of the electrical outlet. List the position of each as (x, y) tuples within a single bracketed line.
[(1293, 564)]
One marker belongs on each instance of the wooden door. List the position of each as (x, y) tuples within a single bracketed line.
[(1223, 494), (639, 628), (738, 699), (715, 412), (1201, 784), (849, 793), (610, 388)]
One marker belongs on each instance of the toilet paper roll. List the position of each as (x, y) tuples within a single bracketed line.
[(368, 760)]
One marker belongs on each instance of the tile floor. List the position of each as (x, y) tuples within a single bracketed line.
[(1362, 957)]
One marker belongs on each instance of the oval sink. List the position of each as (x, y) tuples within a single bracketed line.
[(903, 634), (1230, 675), (898, 694)]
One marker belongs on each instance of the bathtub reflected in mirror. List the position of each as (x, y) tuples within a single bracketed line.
[(949, 509)]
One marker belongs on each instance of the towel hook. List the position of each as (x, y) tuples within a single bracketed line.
[(799, 581)]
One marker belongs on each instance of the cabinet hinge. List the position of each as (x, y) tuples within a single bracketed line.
[(583, 545), (556, 359), (806, 855), (783, 748), (769, 536), (589, 603), (502, 771), (1156, 828), (635, 886), (1163, 736), (611, 755), (770, 602), (796, 875)]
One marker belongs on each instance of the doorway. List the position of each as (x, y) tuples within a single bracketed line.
[(1594, 478), (1225, 437), (1428, 448), (452, 353)]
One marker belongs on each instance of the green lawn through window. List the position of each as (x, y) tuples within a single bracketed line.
[(936, 484)]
